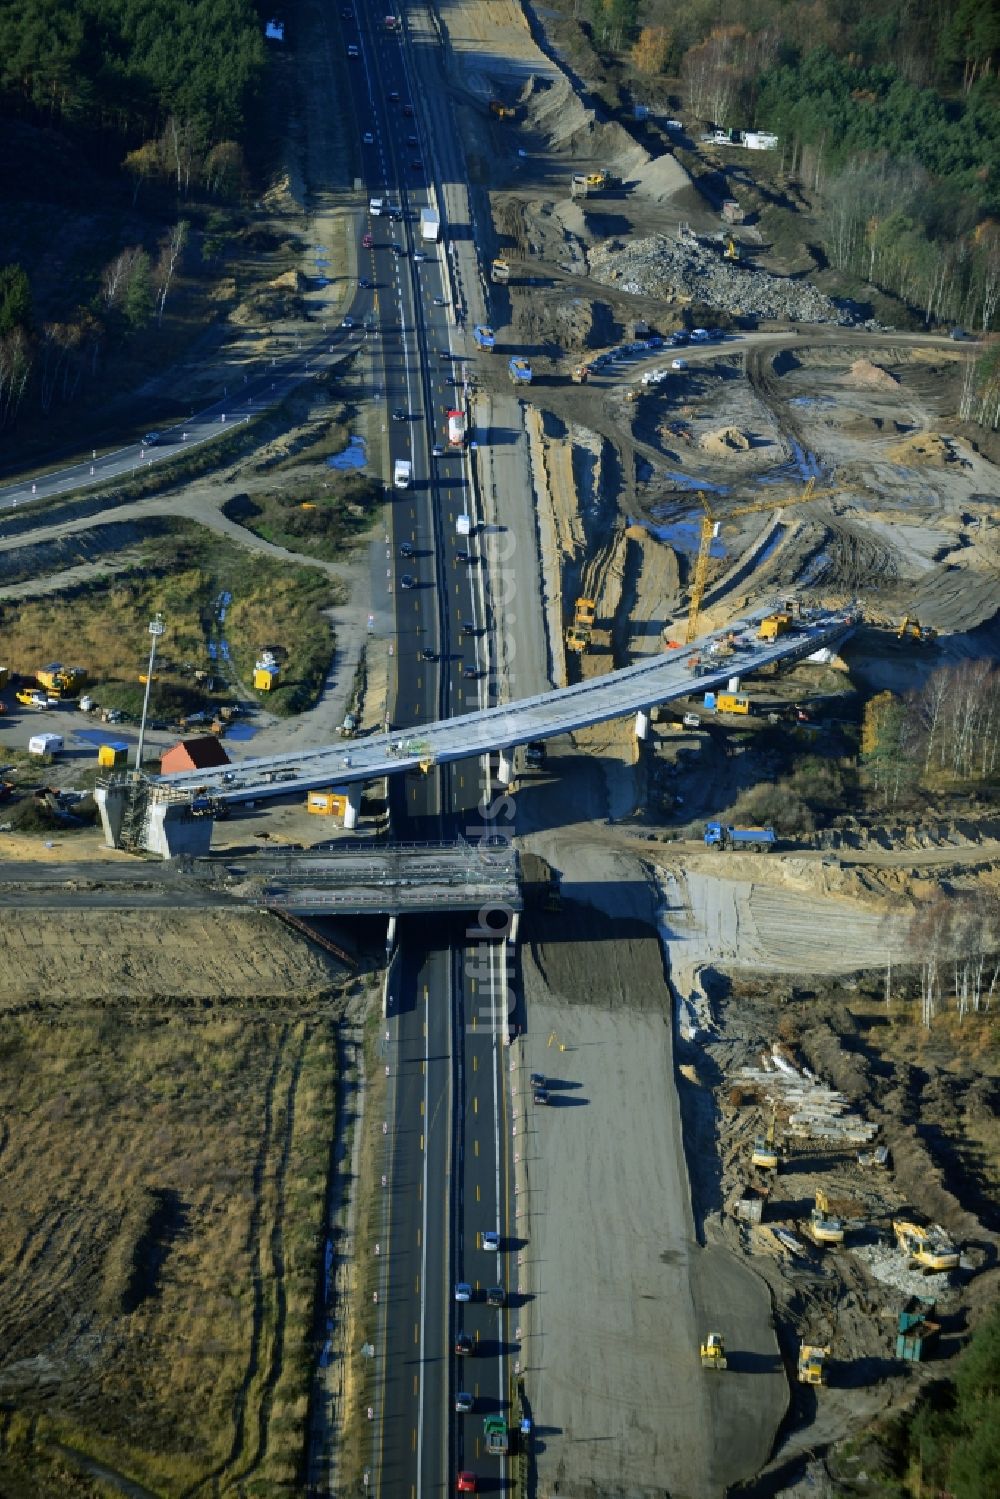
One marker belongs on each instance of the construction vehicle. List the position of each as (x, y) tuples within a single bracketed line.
[(484, 338), (930, 1248), (713, 1352), (812, 1363), (765, 1152), (773, 625), (717, 835), (61, 681), (728, 702), (915, 1329), (879, 1159), (580, 374), (731, 252), (824, 1230), (519, 371), (912, 629), (579, 186), (495, 1436), (710, 526), (579, 632), (500, 271), (502, 111), (456, 428)]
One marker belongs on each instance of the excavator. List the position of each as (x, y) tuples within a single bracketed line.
[(912, 629), (713, 1352), (579, 632), (930, 1248), (765, 1153)]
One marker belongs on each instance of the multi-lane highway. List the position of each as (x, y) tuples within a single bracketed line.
[(446, 1162)]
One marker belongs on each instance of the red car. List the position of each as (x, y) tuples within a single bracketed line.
[(366, 242), (466, 1483)]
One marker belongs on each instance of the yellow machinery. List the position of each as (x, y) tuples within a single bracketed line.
[(731, 251), (838, 1207), (61, 681), (930, 1248), (912, 629), (500, 271), (765, 1152), (713, 1352), (774, 625), (502, 111), (579, 632), (824, 1230), (812, 1363), (710, 524)]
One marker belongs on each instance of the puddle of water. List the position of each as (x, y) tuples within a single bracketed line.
[(353, 456), (111, 735), (241, 730)]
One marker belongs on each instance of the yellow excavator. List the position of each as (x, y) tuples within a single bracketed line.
[(930, 1248), (913, 630), (823, 1227), (812, 1363), (765, 1153), (579, 632), (713, 1352), (731, 252)]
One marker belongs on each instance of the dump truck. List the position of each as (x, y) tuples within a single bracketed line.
[(773, 625), (500, 271), (456, 428), (579, 632), (812, 1363), (402, 473), (930, 1248), (484, 338), (519, 371), (915, 1329), (717, 835), (713, 1352), (430, 225), (495, 1436)]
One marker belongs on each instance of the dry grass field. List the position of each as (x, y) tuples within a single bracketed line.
[(162, 1188)]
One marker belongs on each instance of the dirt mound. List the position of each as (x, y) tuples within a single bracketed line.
[(662, 178), (726, 440), (923, 448), (552, 107), (871, 376)]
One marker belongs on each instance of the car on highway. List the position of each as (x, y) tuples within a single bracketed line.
[(399, 414), (466, 1483), (471, 673), (427, 654), (437, 451), (463, 1291), (464, 1403), (494, 1296), (419, 255), (463, 1344), (399, 251), (411, 140), (352, 51), (540, 1095), (677, 339), (406, 549), (366, 241), (700, 335), (469, 628), (440, 302), (394, 97), (365, 284), (491, 1240), (348, 322), (368, 138), (406, 581), (678, 364), (538, 1080), (152, 439)]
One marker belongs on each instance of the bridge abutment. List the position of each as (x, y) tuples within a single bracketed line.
[(642, 724), (505, 768), (352, 810)]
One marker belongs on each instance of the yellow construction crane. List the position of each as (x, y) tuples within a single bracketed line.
[(710, 524)]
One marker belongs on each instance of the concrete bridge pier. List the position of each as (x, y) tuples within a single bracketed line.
[(642, 723), (505, 768), (353, 809), (111, 803)]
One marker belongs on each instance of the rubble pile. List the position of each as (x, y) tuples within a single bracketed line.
[(811, 1111), (689, 269)]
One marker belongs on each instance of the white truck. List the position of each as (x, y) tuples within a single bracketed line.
[(375, 207), (430, 225), (401, 473)]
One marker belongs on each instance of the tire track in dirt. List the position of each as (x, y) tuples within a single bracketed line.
[(277, 1268), (211, 1482)]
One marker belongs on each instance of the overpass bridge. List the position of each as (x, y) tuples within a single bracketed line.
[(378, 879), (173, 814)]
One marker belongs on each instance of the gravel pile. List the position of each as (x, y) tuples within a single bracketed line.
[(679, 269)]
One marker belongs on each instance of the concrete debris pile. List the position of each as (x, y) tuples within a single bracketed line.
[(691, 270), (811, 1111), (885, 1264)]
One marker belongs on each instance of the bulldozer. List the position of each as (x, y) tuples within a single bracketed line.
[(579, 632), (928, 1248), (713, 1352), (812, 1363)]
